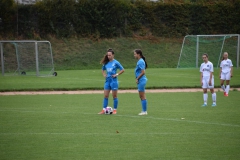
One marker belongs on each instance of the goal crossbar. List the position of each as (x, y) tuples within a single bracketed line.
[(36, 52), (197, 37)]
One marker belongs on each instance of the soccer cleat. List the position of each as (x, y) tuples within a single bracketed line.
[(114, 111), (102, 112), (214, 105), (204, 105), (143, 113), (226, 95)]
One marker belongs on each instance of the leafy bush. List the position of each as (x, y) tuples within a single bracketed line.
[(116, 18)]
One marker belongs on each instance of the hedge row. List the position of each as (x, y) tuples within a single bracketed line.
[(114, 18)]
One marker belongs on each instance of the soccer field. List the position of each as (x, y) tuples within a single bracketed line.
[(68, 127), (93, 79)]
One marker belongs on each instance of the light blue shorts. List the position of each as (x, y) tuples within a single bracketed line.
[(111, 84), (141, 85)]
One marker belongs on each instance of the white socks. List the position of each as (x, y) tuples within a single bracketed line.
[(214, 98), (227, 88), (223, 88), (205, 97)]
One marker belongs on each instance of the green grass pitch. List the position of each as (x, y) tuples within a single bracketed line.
[(93, 79), (68, 127)]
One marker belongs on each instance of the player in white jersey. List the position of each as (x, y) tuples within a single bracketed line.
[(207, 80), (226, 72)]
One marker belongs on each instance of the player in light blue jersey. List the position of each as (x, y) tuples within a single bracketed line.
[(109, 71), (141, 79)]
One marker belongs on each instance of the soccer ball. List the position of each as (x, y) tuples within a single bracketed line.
[(108, 110)]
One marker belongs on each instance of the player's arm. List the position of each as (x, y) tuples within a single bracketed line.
[(121, 71), (201, 75), (211, 75), (220, 72), (210, 79), (120, 67), (231, 71), (104, 73), (140, 75)]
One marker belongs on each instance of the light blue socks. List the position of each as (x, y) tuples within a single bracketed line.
[(115, 103), (144, 105), (105, 102)]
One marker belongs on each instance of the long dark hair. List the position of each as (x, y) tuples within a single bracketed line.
[(105, 59), (139, 51)]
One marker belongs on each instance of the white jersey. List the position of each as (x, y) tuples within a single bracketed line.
[(226, 65), (206, 69)]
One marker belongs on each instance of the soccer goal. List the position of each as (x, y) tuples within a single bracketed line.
[(27, 58), (214, 45)]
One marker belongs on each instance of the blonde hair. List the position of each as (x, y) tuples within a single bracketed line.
[(223, 55)]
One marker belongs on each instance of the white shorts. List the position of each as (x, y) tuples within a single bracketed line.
[(225, 76), (205, 83)]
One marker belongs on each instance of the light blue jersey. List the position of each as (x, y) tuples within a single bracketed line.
[(111, 83), (111, 67), (140, 66), (143, 80)]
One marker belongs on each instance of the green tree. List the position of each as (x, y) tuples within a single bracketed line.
[(7, 16)]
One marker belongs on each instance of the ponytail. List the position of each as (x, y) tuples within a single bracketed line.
[(138, 51), (104, 60), (145, 61)]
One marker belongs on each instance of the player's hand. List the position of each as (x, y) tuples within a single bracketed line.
[(210, 83), (105, 75), (114, 76), (137, 81)]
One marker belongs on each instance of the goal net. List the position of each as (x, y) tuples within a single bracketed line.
[(214, 45), (26, 58)]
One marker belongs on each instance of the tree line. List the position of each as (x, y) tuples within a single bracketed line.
[(116, 18)]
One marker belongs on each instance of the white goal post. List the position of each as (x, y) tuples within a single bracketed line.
[(27, 57), (194, 46)]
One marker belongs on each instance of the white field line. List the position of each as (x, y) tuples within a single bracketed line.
[(131, 116), (101, 91), (114, 133), (182, 120)]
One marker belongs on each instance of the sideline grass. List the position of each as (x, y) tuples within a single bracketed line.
[(92, 79), (67, 127)]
